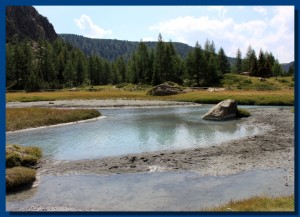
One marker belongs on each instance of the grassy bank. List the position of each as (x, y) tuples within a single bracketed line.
[(245, 89), (256, 204), (22, 118), (253, 97), (19, 160), (246, 97)]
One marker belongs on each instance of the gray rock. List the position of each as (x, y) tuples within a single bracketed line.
[(224, 110), (164, 89)]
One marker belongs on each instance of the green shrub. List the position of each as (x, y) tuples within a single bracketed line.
[(122, 85), (282, 80), (242, 113), (247, 81), (265, 86), (34, 151), (26, 156), (19, 177), (29, 160), (13, 159)]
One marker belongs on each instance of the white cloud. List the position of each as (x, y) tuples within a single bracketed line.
[(89, 29), (148, 39), (220, 9), (190, 24), (273, 33), (261, 10)]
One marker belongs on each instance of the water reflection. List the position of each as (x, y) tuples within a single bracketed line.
[(126, 131)]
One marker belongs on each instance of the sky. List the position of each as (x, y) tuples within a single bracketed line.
[(270, 28)]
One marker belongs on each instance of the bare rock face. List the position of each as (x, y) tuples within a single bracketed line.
[(224, 110)]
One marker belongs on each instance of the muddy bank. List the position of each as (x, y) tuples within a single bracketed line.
[(97, 104), (274, 148)]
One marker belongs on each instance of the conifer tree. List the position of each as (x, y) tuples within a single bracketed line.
[(223, 65), (238, 63), (69, 74)]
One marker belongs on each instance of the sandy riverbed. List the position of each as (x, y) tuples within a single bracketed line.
[(97, 104)]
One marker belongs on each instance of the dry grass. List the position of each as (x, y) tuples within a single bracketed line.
[(21, 118), (253, 97), (17, 155), (19, 177), (248, 97), (103, 93), (18, 159), (259, 204)]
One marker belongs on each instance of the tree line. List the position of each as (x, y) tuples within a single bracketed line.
[(39, 65)]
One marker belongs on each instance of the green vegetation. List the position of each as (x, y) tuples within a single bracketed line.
[(18, 159), (242, 82), (242, 113), (256, 204), (110, 49), (21, 118), (36, 65), (17, 155)]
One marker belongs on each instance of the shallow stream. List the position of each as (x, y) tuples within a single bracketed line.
[(127, 131), (160, 191)]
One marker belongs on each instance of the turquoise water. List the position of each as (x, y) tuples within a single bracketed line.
[(125, 131)]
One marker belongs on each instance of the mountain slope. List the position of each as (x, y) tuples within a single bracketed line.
[(25, 22), (111, 49)]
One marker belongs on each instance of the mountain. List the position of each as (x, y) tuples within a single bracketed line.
[(25, 22), (111, 49), (286, 66)]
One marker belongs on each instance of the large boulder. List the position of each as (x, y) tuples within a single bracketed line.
[(164, 89), (224, 110)]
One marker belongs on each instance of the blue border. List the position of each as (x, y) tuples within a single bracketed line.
[(145, 2)]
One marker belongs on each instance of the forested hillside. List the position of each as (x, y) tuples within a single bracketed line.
[(111, 49), (47, 63)]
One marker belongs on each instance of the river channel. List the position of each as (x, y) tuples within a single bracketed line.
[(131, 131)]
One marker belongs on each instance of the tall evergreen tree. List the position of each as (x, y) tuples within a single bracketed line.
[(212, 77), (81, 70), (69, 74), (223, 65), (159, 61), (149, 72), (189, 67), (121, 66), (246, 65), (238, 63), (277, 69), (142, 61), (262, 70), (198, 64), (10, 65)]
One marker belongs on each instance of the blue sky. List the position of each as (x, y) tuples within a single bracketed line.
[(270, 28)]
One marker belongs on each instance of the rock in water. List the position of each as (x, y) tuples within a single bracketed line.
[(224, 110)]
